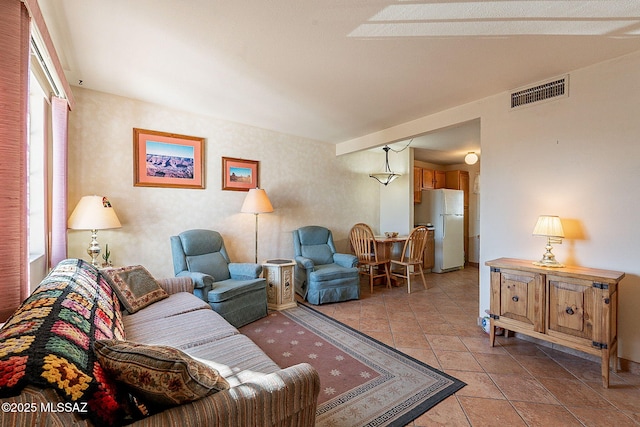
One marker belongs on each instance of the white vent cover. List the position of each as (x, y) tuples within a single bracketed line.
[(544, 91)]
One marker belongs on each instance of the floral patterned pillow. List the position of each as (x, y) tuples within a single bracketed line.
[(160, 375), (135, 286)]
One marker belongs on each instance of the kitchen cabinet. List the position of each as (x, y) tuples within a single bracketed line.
[(426, 179), (417, 184), (429, 257), (576, 307), (440, 179)]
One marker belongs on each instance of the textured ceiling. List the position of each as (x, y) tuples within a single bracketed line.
[(330, 70)]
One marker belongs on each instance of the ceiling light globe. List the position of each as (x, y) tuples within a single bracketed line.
[(471, 158)]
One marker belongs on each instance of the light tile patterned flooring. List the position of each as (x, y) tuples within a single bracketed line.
[(516, 383)]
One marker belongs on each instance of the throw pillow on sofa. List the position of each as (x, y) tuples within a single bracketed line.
[(135, 286), (160, 375)]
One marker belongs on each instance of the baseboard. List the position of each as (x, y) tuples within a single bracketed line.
[(629, 366)]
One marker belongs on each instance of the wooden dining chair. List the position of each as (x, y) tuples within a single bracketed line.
[(364, 246), (411, 260)]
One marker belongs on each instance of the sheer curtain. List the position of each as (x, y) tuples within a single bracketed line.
[(14, 87), (58, 226)]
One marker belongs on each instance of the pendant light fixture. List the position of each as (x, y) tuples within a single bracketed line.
[(388, 175)]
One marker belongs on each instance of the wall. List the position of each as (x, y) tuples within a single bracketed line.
[(306, 182), (576, 157)]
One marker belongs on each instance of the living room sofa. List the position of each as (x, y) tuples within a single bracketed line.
[(76, 297)]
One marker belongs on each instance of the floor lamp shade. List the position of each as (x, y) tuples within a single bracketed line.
[(256, 202)]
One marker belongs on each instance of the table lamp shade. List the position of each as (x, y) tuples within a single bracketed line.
[(548, 226), (93, 213), (256, 202)]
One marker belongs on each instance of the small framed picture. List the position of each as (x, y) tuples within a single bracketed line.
[(239, 174), (167, 160)]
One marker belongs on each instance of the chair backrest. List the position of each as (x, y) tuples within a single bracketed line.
[(200, 251), (414, 246), (363, 243), (314, 242)]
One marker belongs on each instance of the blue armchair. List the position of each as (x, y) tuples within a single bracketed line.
[(234, 290), (322, 275)]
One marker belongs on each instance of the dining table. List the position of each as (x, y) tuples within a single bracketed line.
[(389, 248)]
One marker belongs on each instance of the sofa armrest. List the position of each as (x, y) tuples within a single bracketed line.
[(244, 270), (346, 260), (286, 397), (305, 263), (173, 285)]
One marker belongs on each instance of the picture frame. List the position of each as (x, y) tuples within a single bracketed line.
[(240, 174), (162, 159)]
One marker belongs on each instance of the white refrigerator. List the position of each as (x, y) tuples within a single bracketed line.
[(444, 209)]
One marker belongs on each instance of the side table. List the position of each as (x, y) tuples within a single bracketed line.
[(280, 291)]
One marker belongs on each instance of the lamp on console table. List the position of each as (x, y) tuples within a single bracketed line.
[(549, 226), (256, 202), (93, 213)]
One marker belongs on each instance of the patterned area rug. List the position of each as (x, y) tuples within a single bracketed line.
[(363, 382)]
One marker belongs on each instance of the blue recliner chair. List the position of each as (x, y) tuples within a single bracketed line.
[(321, 274), (233, 290)]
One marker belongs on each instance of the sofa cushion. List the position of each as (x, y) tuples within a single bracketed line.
[(135, 286), (161, 375), (181, 331), (175, 304), (237, 358)]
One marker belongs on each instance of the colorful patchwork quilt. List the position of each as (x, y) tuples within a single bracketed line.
[(48, 341)]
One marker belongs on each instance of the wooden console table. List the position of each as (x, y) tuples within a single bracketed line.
[(575, 307)]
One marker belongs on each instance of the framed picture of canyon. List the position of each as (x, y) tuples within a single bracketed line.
[(163, 159), (239, 174)]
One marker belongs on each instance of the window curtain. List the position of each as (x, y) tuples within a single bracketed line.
[(58, 226), (14, 87)]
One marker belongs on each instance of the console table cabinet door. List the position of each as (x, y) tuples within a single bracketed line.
[(571, 308), (519, 299)]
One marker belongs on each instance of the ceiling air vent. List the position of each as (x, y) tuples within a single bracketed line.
[(545, 91)]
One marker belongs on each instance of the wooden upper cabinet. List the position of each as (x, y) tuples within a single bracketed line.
[(417, 185), (459, 180), (440, 179), (428, 179)]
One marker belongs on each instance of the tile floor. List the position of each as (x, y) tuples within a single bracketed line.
[(516, 383)]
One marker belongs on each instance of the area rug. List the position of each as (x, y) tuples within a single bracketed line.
[(363, 382)]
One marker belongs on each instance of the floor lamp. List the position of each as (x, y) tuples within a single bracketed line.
[(256, 202)]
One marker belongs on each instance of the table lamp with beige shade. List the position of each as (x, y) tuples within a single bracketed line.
[(93, 213)]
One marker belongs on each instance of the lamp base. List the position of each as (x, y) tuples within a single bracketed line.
[(543, 263), (94, 249), (548, 259)]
